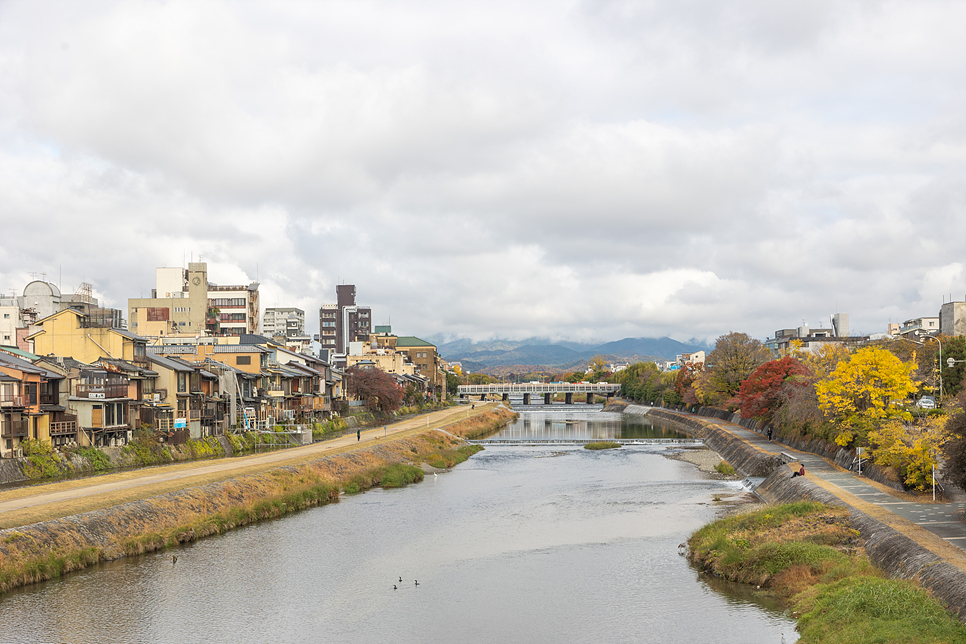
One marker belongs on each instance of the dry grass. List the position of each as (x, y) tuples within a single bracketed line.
[(46, 550)]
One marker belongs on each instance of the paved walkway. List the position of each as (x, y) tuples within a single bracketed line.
[(944, 519), (56, 492)]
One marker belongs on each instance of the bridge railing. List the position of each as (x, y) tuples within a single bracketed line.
[(546, 388)]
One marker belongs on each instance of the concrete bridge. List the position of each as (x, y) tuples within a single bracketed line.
[(547, 389)]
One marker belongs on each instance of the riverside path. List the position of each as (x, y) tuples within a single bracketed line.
[(24, 505), (937, 526)]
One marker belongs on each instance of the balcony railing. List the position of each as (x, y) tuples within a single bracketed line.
[(63, 428), (9, 400), (158, 395), (100, 391), (14, 429), (48, 399)]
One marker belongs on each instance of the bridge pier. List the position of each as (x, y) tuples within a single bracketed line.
[(569, 398), (483, 397), (506, 397), (590, 398), (526, 399), (546, 399)]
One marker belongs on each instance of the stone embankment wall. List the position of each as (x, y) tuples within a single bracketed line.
[(744, 457), (891, 551), (839, 455)]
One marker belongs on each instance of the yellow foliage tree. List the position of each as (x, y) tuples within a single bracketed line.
[(824, 361), (910, 450), (864, 389)]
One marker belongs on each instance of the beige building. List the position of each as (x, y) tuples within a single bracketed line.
[(178, 304)]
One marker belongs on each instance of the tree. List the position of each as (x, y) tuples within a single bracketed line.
[(764, 390), (953, 377), (643, 382), (375, 387), (453, 381), (734, 358), (864, 389)]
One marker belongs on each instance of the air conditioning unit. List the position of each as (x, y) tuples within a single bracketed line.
[(157, 397)]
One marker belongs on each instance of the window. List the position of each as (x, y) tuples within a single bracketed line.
[(6, 316), (243, 359), (182, 382)]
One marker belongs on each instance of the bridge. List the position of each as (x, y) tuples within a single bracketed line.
[(541, 442), (547, 389)]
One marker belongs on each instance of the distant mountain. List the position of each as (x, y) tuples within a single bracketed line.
[(540, 353)]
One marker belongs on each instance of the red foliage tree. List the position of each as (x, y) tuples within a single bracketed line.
[(764, 389), (375, 387)]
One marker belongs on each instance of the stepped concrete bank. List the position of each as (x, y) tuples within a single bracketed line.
[(893, 552)]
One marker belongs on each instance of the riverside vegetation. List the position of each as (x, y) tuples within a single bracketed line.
[(44, 551), (601, 445), (807, 554)]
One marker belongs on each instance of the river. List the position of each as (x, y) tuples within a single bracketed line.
[(518, 544)]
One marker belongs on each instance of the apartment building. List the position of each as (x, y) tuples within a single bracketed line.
[(343, 322)]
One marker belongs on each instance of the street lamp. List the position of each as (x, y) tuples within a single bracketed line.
[(932, 337)]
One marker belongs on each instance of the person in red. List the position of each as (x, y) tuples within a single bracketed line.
[(800, 472)]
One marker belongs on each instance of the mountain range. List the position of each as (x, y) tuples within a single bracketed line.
[(536, 352)]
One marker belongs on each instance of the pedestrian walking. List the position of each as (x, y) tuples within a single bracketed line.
[(358, 434), (770, 430)]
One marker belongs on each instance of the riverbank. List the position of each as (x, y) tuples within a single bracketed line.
[(45, 550), (898, 547), (810, 556)]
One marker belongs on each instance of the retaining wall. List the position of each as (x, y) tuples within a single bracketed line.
[(891, 551)]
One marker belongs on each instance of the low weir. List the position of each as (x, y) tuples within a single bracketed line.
[(537, 442)]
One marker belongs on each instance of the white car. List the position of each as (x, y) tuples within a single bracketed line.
[(926, 402)]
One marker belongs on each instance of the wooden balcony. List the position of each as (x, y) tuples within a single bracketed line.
[(13, 429), (100, 392), (158, 395), (8, 400), (63, 428)]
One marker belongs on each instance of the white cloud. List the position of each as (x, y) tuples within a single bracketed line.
[(587, 170)]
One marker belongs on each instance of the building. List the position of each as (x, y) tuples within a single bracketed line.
[(286, 326), (184, 302), (178, 304), (952, 318), (420, 353), (343, 322), (919, 326), (237, 309), (72, 333), (695, 357)]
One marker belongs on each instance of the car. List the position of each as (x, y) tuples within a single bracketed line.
[(926, 402)]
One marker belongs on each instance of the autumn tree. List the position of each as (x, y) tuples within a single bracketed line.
[(864, 389), (954, 449), (375, 387), (680, 391), (734, 358), (911, 451), (765, 389)]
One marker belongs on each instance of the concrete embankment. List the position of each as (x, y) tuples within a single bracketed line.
[(897, 554), (45, 550)]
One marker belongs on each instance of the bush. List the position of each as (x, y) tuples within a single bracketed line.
[(601, 445)]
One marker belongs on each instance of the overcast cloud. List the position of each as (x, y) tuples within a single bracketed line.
[(583, 170)]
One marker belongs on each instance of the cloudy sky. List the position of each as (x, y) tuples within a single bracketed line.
[(575, 170)]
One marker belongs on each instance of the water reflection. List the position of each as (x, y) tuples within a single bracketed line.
[(583, 426)]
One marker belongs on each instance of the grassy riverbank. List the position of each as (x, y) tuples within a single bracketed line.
[(483, 425), (47, 550), (807, 554)]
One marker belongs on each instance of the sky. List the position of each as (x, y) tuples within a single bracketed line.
[(582, 171)]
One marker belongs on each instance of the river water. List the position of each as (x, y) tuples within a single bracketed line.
[(518, 544)]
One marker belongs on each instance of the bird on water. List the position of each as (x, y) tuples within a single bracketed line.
[(174, 560), (417, 582), (400, 580), (394, 587)]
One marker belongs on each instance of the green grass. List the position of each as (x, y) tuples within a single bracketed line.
[(872, 610), (602, 445), (807, 553), (725, 468)]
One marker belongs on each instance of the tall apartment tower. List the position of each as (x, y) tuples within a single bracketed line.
[(343, 322)]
